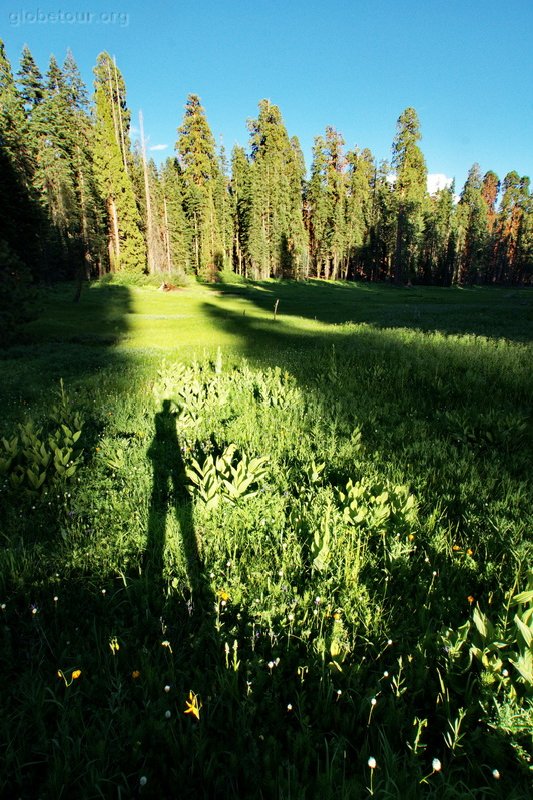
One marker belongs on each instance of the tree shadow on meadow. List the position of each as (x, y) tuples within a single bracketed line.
[(481, 311), (73, 342)]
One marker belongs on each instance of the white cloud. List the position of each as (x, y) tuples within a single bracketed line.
[(436, 181), (158, 147)]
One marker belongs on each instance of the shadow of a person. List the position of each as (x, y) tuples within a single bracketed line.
[(169, 493)]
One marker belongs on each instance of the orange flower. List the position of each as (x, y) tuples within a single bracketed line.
[(456, 547), (135, 674), (470, 552), (76, 674), (470, 599)]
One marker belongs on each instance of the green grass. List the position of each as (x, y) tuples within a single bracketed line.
[(316, 522)]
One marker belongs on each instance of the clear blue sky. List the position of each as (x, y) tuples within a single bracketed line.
[(466, 66)]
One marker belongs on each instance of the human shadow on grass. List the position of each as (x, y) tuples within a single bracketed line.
[(170, 495)]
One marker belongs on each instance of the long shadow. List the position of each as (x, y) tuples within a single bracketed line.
[(170, 495), (75, 342), (494, 312)]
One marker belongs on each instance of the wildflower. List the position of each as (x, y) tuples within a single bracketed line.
[(389, 642), (411, 537), (386, 674), (193, 705), (56, 598), (114, 645), (168, 714), (74, 676), (34, 610), (470, 552), (167, 688), (373, 701), (437, 766), (336, 615), (3, 606), (224, 596), (143, 780), (135, 674), (166, 643), (496, 774), (372, 763), (505, 673), (470, 599), (456, 547), (289, 706)]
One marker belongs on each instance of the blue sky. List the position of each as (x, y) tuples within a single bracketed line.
[(466, 66)]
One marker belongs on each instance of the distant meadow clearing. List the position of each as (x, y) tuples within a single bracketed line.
[(268, 540)]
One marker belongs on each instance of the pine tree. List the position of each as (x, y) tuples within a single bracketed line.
[(112, 159), (490, 190), (177, 234), (318, 204), (30, 80), (327, 198), (73, 85), (20, 217), (360, 207), (438, 244), (410, 193), (276, 240), (512, 226), (241, 206), (472, 231), (203, 183)]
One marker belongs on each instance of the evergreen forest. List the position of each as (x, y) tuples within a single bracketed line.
[(80, 200)]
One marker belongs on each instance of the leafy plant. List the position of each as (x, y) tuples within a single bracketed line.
[(33, 459), (226, 477), (378, 508)]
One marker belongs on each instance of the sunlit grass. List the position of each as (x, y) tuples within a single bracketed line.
[(309, 624)]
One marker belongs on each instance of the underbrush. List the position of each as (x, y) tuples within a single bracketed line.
[(228, 582)]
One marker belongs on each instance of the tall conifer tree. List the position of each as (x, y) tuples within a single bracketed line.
[(276, 239), (410, 192), (112, 157), (203, 181)]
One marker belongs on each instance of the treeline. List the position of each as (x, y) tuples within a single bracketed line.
[(77, 200)]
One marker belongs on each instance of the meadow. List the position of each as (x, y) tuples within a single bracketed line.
[(268, 540)]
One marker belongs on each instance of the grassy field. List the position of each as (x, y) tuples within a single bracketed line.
[(268, 541)]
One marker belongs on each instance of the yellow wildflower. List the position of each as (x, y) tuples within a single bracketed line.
[(114, 645), (76, 674), (223, 595), (135, 674), (193, 705)]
